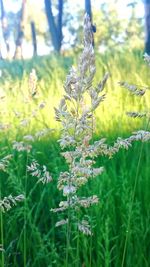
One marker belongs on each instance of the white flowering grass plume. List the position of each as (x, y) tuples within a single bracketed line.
[(76, 114), (41, 173), (8, 202)]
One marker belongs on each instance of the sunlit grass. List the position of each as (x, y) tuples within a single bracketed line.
[(51, 75), (45, 243)]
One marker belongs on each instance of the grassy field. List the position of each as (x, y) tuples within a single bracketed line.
[(121, 220)]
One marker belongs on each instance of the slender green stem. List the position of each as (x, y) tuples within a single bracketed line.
[(2, 239), (68, 234), (2, 234), (132, 200), (78, 244), (25, 219), (90, 261)]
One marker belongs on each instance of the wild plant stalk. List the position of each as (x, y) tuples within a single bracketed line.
[(131, 206), (42, 175), (1, 231), (78, 247), (2, 237), (77, 117), (138, 91), (25, 217), (6, 204), (76, 114)]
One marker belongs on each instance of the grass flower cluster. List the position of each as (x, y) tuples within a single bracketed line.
[(76, 114), (8, 202)]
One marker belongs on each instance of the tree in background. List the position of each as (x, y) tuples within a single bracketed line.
[(135, 28), (110, 29), (5, 28), (34, 40), (55, 27), (113, 32), (147, 26), (20, 33), (36, 28), (1, 57), (88, 10)]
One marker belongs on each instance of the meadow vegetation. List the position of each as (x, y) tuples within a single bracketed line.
[(29, 135)]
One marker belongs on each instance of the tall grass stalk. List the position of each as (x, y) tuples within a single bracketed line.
[(2, 239), (78, 246), (1, 231), (132, 198), (25, 216), (138, 91), (76, 116), (68, 237)]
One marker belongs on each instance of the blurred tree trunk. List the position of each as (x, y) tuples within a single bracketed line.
[(59, 23), (1, 57), (5, 28), (88, 10), (147, 26), (20, 34), (55, 29), (34, 41)]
